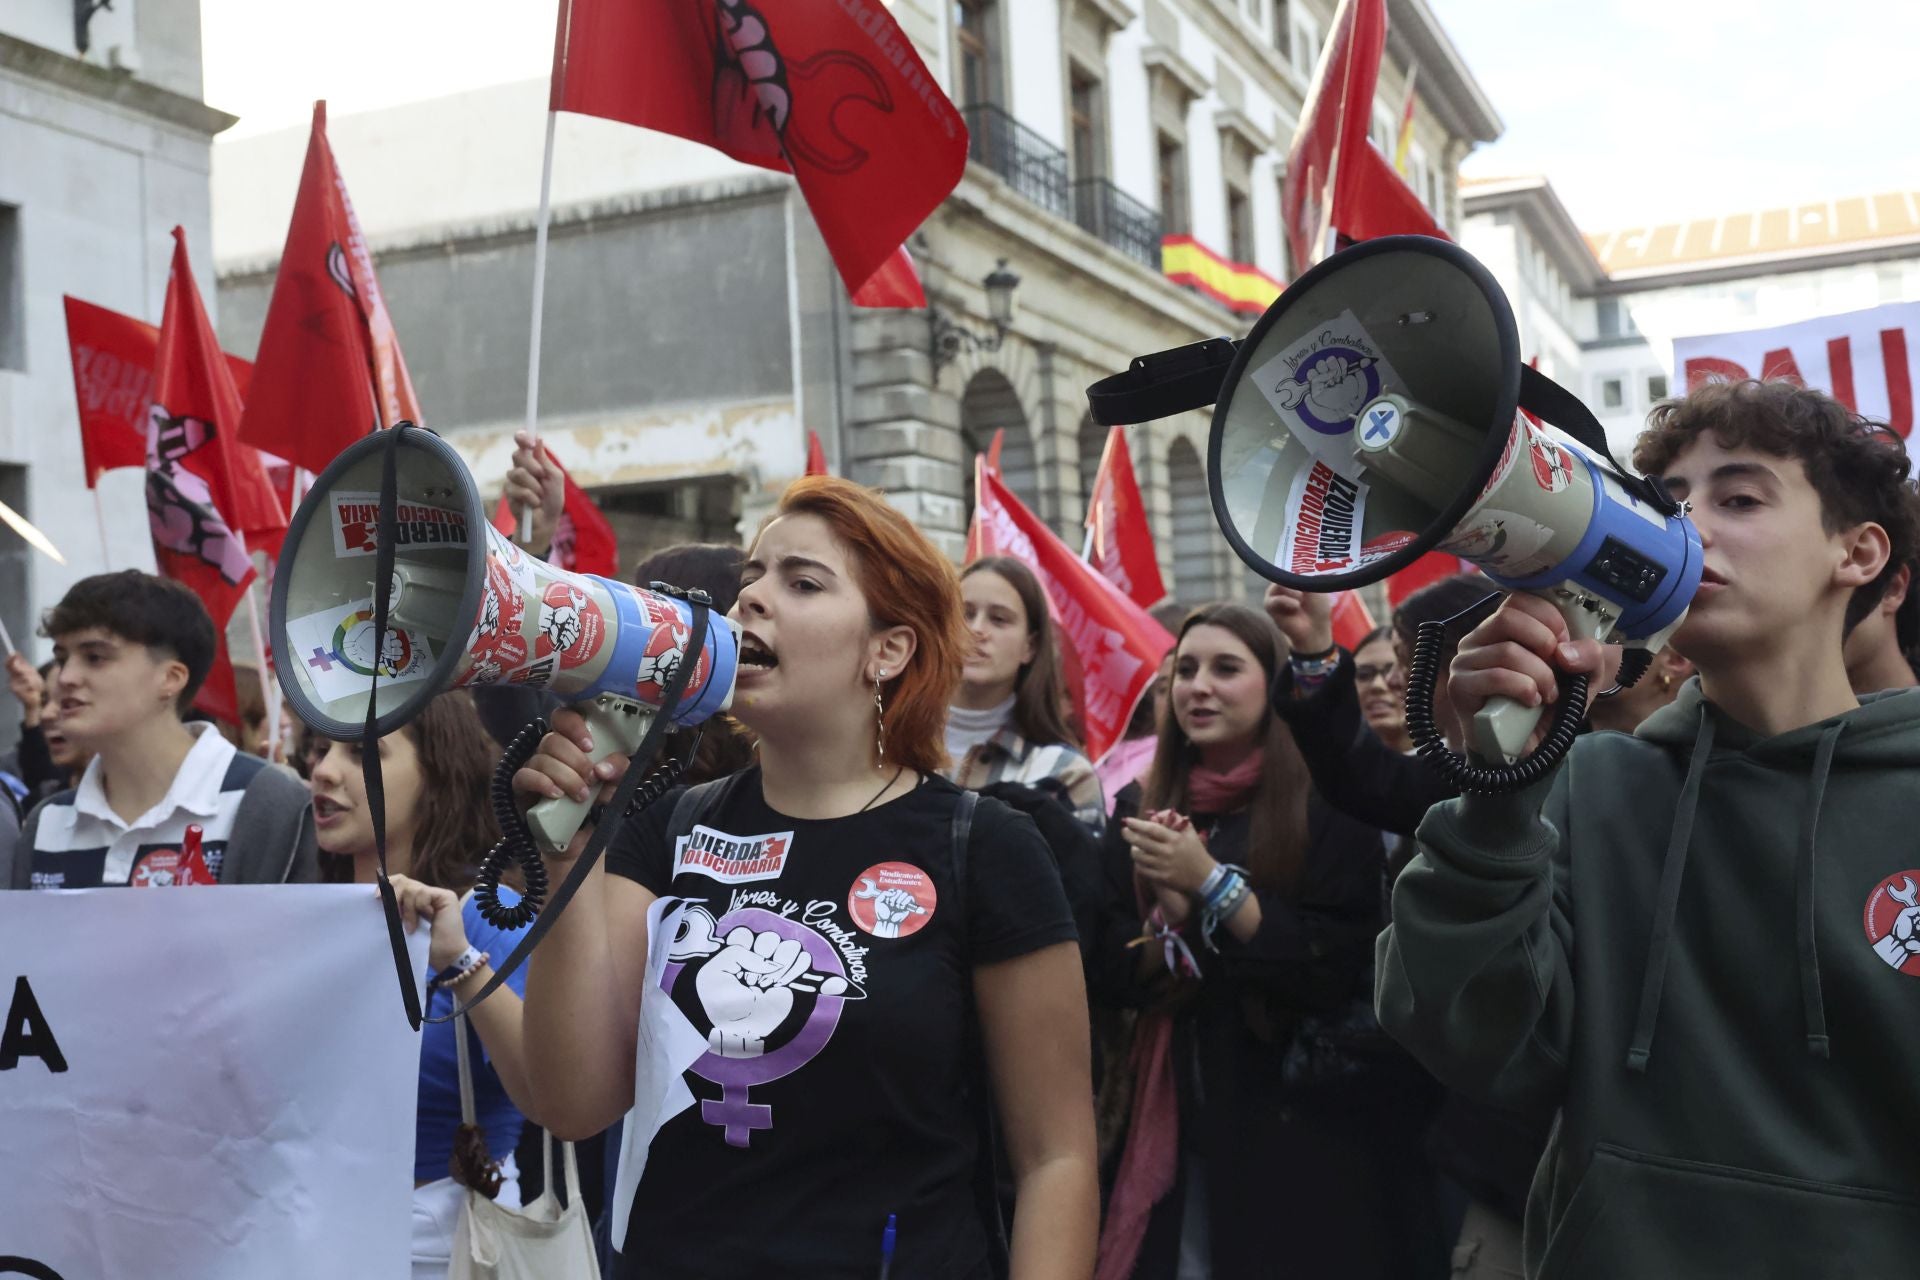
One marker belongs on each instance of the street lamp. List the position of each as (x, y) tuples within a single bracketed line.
[(947, 337)]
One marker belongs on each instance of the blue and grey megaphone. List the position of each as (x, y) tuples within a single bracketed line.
[(1373, 414)]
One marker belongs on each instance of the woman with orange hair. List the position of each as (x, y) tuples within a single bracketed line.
[(860, 990)]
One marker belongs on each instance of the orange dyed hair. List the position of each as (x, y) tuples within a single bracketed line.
[(907, 583)]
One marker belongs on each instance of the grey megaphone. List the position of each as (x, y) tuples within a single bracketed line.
[(469, 608)]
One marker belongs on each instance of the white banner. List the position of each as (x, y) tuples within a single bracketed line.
[(1868, 360), (205, 1084)]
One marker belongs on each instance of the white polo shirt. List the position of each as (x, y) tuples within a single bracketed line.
[(81, 843)]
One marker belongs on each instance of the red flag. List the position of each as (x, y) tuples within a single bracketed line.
[(1336, 182), (1119, 543), (816, 456), (113, 382), (330, 368), (1352, 621), (1117, 645), (835, 94), (583, 541), (895, 284), (993, 450), (1429, 568), (200, 490)]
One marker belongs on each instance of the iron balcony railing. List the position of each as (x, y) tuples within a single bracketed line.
[(1117, 218), (1030, 164)]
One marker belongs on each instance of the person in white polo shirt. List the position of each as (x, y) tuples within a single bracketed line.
[(165, 803)]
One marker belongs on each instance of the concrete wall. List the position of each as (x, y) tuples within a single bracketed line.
[(98, 166)]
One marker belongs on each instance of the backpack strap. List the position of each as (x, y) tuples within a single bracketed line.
[(698, 803), (962, 837)]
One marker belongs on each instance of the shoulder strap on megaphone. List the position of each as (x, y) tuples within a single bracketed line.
[(1551, 402), (1163, 384)]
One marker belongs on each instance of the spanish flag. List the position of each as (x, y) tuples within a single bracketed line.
[(1401, 147)]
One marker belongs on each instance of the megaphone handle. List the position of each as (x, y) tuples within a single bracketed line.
[(617, 725), (1502, 726)]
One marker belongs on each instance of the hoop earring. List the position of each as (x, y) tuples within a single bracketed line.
[(880, 719)]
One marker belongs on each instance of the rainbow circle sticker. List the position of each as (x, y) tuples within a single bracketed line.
[(353, 644)]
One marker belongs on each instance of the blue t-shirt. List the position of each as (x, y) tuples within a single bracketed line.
[(440, 1064)]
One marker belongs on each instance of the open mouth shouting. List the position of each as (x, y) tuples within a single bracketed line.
[(327, 812), (755, 655)]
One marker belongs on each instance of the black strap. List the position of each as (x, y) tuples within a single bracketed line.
[(986, 1165), (1551, 402), (638, 766), (369, 738), (1163, 384)]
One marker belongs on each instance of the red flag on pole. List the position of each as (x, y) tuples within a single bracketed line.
[(330, 368), (113, 383), (835, 94), (1119, 543), (202, 494), (1116, 644), (993, 450), (583, 541), (895, 284), (1351, 619), (816, 456), (1336, 182)]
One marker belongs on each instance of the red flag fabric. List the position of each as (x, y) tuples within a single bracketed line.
[(1429, 568), (1119, 543), (1351, 619), (583, 541), (993, 450), (113, 383), (329, 363), (1116, 644), (895, 284), (1336, 182), (835, 94), (195, 481), (816, 456)]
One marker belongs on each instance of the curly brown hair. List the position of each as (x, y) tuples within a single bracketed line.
[(1858, 467)]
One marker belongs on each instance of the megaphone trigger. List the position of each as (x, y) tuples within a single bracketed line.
[(617, 725)]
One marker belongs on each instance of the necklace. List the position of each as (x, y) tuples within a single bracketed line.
[(882, 791)]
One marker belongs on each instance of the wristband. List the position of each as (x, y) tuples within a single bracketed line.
[(1329, 653)]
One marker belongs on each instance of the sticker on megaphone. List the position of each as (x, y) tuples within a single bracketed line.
[(356, 518), (337, 648)]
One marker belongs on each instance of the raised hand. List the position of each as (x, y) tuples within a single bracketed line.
[(1305, 618)]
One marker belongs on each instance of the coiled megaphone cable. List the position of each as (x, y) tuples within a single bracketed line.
[(516, 846), (1423, 677)]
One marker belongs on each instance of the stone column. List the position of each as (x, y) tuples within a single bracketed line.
[(903, 433)]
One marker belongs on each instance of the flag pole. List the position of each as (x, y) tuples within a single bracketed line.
[(100, 519), (793, 315), (269, 684), (524, 533)]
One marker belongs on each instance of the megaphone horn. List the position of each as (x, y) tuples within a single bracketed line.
[(468, 608), (1372, 415)]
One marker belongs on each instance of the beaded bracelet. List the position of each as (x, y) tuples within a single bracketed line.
[(469, 963), (1316, 669), (1222, 906)]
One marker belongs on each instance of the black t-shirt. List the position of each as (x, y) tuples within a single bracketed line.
[(830, 966)]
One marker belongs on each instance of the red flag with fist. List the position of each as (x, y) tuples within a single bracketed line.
[(203, 492), (834, 93), (1114, 643)]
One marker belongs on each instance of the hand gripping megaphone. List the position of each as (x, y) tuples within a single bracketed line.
[(1372, 415), (467, 608)]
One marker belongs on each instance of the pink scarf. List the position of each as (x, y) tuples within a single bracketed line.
[(1212, 792)]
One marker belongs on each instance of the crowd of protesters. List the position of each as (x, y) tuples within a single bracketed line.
[(1257, 994)]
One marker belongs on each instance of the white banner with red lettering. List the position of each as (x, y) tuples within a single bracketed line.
[(1868, 360), (205, 1084), (1115, 644)]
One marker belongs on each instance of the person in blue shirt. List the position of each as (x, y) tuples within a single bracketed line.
[(436, 770)]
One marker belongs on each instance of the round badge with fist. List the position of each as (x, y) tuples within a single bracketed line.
[(892, 900)]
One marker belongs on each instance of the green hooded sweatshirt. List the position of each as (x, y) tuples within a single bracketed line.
[(1703, 946)]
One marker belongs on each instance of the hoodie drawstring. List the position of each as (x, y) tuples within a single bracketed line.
[(1672, 871), (1811, 1001)]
